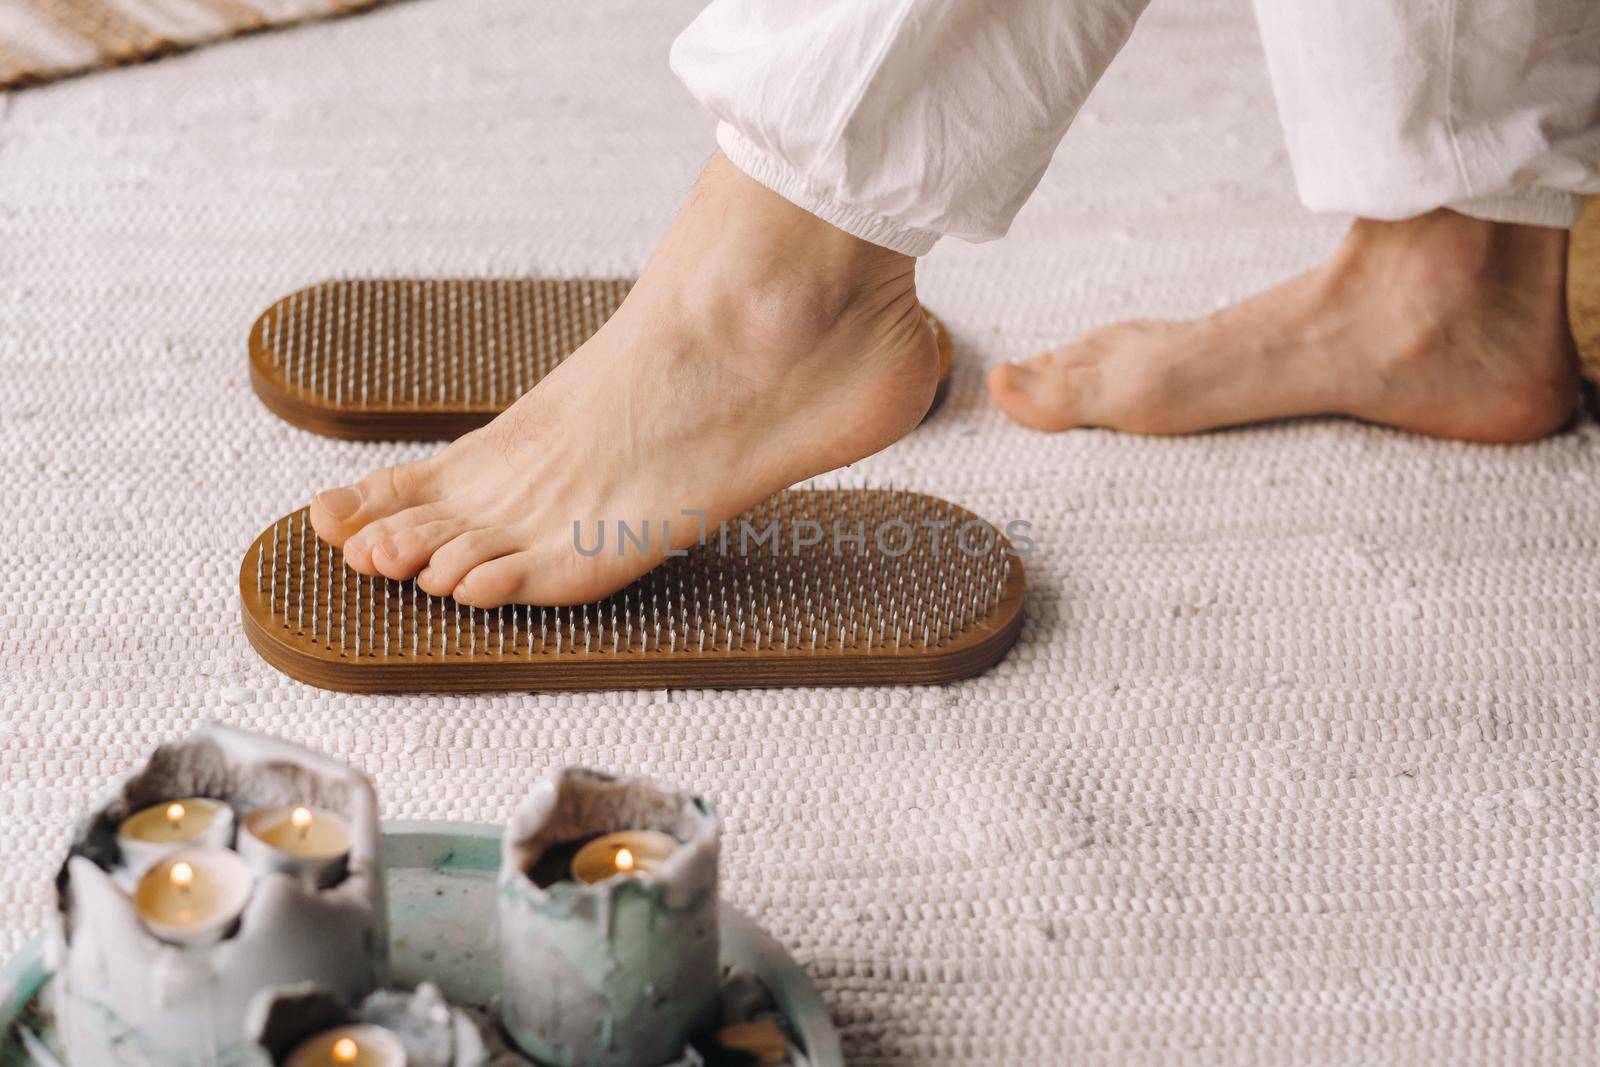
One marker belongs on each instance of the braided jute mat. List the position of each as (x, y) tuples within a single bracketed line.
[(41, 40)]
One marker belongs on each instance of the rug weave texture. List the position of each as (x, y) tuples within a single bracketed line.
[(41, 40), (1294, 762)]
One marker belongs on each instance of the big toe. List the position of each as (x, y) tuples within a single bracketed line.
[(462, 553), (338, 513), (500, 581), (1039, 393)]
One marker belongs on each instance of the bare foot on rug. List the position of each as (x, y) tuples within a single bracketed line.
[(1443, 324), (761, 346)]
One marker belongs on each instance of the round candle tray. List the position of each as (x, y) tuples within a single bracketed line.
[(441, 890)]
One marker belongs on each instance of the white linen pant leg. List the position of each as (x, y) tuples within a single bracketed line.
[(1393, 109), (900, 121)]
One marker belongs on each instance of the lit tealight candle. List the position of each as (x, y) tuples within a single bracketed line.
[(309, 842), (151, 834), (359, 1045), (194, 896), (626, 852)]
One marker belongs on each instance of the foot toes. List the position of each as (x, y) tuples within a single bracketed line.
[(336, 514), (1039, 393), (451, 563), (400, 546), (500, 581)]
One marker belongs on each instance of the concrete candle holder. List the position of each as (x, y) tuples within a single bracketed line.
[(620, 972), (432, 1032), (127, 998)]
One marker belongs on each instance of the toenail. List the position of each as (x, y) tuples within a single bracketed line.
[(1019, 375), (342, 502)]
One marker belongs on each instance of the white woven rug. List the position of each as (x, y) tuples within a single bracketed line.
[(1294, 763)]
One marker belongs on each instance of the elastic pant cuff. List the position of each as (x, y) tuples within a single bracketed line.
[(788, 183), (1530, 207)]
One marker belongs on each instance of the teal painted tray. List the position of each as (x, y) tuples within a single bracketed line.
[(441, 881)]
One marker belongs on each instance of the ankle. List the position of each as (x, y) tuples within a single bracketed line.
[(1452, 256), (741, 260), (772, 233)]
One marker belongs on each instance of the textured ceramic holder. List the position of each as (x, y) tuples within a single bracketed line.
[(391, 359), (129, 999), (619, 973), (433, 1032)]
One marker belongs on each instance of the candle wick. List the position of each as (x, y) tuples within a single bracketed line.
[(182, 876)]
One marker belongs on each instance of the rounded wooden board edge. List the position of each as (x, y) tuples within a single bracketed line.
[(970, 655), (306, 411), (1583, 289)]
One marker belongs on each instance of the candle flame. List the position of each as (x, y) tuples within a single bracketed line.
[(175, 814), (300, 819), (182, 875), (624, 860), (345, 1050)]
